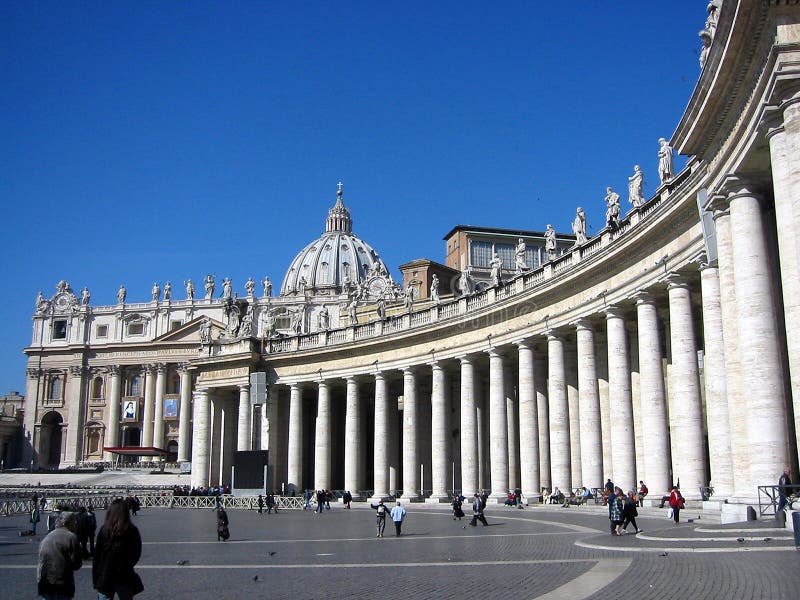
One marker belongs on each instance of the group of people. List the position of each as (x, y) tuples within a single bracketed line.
[(397, 514), (270, 502), (114, 553)]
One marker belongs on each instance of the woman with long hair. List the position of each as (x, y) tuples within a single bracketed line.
[(117, 550)]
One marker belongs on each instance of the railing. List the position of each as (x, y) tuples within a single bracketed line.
[(769, 499)]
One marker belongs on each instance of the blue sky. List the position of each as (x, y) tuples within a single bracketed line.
[(154, 141)]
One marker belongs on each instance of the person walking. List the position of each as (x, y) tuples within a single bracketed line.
[(676, 503), (615, 508), (380, 512), (261, 504), (784, 489), (223, 533), (34, 517), (91, 527), (347, 498), (458, 512), (59, 558), (629, 512), (398, 514), (271, 504), (118, 549), (478, 507)]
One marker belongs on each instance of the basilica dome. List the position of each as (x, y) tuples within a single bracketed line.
[(336, 261)]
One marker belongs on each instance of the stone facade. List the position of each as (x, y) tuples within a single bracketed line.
[(658, 350)]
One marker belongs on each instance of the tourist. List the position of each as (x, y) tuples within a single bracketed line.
[(271, 504), (643, 491), (59, 557), (458, 512), (222, 525), (118, 548), (347, 498), (629, 512), (676, 503), (784, 489), (615, 510), (478, 506), (380, 512), (398, 514), (261, 504), (34, 517)]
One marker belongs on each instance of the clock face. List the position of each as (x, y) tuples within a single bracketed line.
[(62, 301), (376, 287)]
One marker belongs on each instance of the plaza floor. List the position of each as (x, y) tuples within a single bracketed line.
[(541, 552)]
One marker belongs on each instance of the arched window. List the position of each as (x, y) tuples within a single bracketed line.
[(136, 385), (97, 387), (56, 388)]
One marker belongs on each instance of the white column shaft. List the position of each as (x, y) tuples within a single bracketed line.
[(245, 424), (201, 439), (381, 447), (498, 428), (620, 402), (185, 417), (543, 412), (589, 408), (440, 451), (573, 410), (469, 429), (322, 445), (411, 462), (528, 426), (352, 439), (112, 432), (158, 413), (560, 460), (149, 407)]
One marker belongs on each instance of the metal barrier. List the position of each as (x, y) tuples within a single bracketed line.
[(769, 497)]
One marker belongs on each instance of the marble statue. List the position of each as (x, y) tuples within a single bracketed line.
[(579, 227), (168, 291), (612, 208), (550, 242), (62, 286), (519, 256), (246, 326), (408, 301), (297, 321), (189, 290), (352, 313), (205, 331), (267, 323), (496, 266), (85, 296), (636, 187), (665, 172), (226, 288), (234, 318), (39, 300), (381, 308), (705, 38), (301, 285), (156, 292), (250, 286), (267, 287), (324, 319), (435, 289), (122, 293), (209, 286), (466, 284)]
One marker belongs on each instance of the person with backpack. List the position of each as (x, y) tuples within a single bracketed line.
[(676, 503), (380, 512), (478, 506)]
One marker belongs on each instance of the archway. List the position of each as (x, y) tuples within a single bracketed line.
[(172, 448), (50, 434)]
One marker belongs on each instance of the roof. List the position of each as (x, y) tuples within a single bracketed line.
[(498, 231), (136, 450)]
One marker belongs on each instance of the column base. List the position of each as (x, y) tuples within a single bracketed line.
[(734, 513), (437, 500), (377, 498), (410, 498)]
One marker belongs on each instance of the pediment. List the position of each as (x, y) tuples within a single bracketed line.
[(190, 332)]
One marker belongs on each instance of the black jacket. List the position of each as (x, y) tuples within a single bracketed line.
[(114, 559)]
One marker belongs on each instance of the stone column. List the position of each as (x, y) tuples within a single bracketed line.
[(573, 410), (761, 359), (512, 426), (201, 439), (730, 334), (589, 407), (440, 455), (217, 438), (73, 451), (620, 401), (543, 413), (784, 147), (34, 388), (295, 458), (528, 425), (185, 415), (685, 403), (498, 428), (380, 453), (244, 427), (322, 445), (560, 461), (469, 429), (656, 450), (230, 416), (352, 439), (717, 417), (158, 413), (149, 406), (601, 357), (411, 480), (112, 431)]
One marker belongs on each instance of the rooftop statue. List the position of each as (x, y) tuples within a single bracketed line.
[(351, 311), (665, 169), (612, 208), (122, 293), (250, 286), (209, 286), (496, 266), (205, 331), (226, 288), (189, 290), (85, 296), (156, 292), (435, 289), (550, 242), (519, 256), (579, 227), (324, 319), (267, 287), (636, 187), (168, 291)]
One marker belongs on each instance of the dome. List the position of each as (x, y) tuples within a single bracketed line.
[(334, 261)]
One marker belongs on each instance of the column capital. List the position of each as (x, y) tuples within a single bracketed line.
[(77, 370), (466, 359), (379, 375), (583, 324), (160, 368), (149, 369), (676, 281), (738, 186), (114, 370), (410, 370), (524, 343), (643, 297), (553, 335), (436, 365), (182, 368), (614, 312), (200, 393), (34, 373), (244, 387), (718, 205)]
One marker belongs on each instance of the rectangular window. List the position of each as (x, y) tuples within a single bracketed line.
[(175, 325), (59, 330), (506, 253), (481, 254), (135, 328), (102, 331)]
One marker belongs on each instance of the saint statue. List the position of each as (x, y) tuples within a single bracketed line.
[(636, 187), (122, 293), (189, 290), (409, 298), (85, 295), (496, 266), (519, 256), (324, 319), (579, 227), (205, 331), (209, 286), (226, 288), (267, 287), (665, 172), (550, 242), (168, 291), (435, 289), (612, 208), (156, 292), (250, 286), (351, 311)]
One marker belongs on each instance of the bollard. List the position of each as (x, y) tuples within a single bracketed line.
[(780, 517), (751, 513), (796, 526)]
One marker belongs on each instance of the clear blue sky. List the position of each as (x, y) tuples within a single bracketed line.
[(154, 141)]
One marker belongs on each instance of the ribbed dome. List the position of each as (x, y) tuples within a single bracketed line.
[(337, 256)]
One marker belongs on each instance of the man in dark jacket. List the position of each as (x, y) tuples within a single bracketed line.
[(59, 557), (784, 489)]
